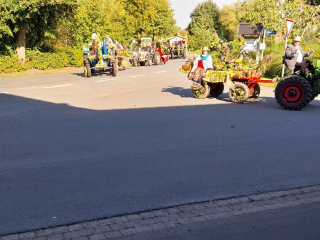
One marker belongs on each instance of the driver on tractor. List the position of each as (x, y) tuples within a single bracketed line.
[(200, 66), (294, 57)]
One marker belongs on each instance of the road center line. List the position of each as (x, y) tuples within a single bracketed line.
[(67, 85), (137, 76), (105, 80), (161, 72)]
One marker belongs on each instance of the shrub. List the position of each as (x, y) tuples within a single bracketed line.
[(42, 60)]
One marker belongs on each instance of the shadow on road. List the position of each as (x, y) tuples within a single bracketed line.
[(62, 164)]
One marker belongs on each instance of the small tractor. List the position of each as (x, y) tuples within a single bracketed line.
[(100, 59), (143, 57), (295, 92)]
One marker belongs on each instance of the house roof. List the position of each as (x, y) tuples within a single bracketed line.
[(245, 29)]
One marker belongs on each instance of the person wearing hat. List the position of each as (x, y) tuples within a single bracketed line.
[(200, 66), (294, 57)]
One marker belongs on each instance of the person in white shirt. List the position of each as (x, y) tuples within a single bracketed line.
[(200, 66), (294, 57)]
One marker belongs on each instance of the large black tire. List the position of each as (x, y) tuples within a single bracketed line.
[(184, 54), (256, 91), (202, 92), (293, 93), (172, 55), (239, 92), (114, 68), (216, 89), (156, 58), (142, 63), (87, 70)]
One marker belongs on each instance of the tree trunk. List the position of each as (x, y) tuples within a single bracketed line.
[(21, 43)]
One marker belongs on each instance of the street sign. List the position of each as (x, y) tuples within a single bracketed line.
[(271, 32), (262, 46), (289, 25)]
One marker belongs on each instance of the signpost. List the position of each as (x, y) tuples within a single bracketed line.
[(289, 26), (263, 45)]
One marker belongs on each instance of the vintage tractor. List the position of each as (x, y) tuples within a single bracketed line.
[(143, 57), (100, 59), (177, 47), (295, 92)]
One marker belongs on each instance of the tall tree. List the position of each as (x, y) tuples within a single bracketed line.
[(206, 13), (26, 21), (229, 21)]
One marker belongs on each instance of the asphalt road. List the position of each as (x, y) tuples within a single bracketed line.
[(75, 149)]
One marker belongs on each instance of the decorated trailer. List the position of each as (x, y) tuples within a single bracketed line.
[(177, 46)]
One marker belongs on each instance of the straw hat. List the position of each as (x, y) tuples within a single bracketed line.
[(205, 49), (297, 39)]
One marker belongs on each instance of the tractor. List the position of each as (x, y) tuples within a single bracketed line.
[(100, 59), (296, 92), (143, 57)]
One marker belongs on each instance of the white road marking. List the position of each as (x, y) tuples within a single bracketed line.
[(161, 72), (5, 92), (67, 85), (105, 80), (137, 76)]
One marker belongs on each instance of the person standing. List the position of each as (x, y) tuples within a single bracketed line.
[(294, 57), (200, 66)]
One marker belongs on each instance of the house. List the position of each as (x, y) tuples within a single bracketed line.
[(252, 36)]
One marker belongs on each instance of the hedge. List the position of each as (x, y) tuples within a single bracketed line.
[(38, 60)]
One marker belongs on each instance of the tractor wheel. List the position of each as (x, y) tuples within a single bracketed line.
[(202, 92), (115, 68), (156, 58), (239, 92), (135, 62), (256, 91), (87, 70), (216, 89), (172, 55), (184, 54), (149, 62), (142, 63), (293, 93)]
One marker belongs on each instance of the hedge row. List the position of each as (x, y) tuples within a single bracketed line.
[(42, 61)]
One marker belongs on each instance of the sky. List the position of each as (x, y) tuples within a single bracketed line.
[(183, 8)]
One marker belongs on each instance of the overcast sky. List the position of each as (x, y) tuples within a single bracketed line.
[(183, 8)]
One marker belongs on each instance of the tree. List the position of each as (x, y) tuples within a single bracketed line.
[(26, 21), (274, 13), (229, 22), (208, 14)]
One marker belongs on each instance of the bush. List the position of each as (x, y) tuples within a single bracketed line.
[(39, 60), (10, 64)]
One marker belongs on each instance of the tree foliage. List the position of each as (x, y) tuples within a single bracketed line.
[(35, 16), (272, 14), (64, 23), (204, 22), (229, 22)]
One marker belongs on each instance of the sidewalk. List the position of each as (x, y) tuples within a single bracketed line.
[(189, 214), (32, 72)]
